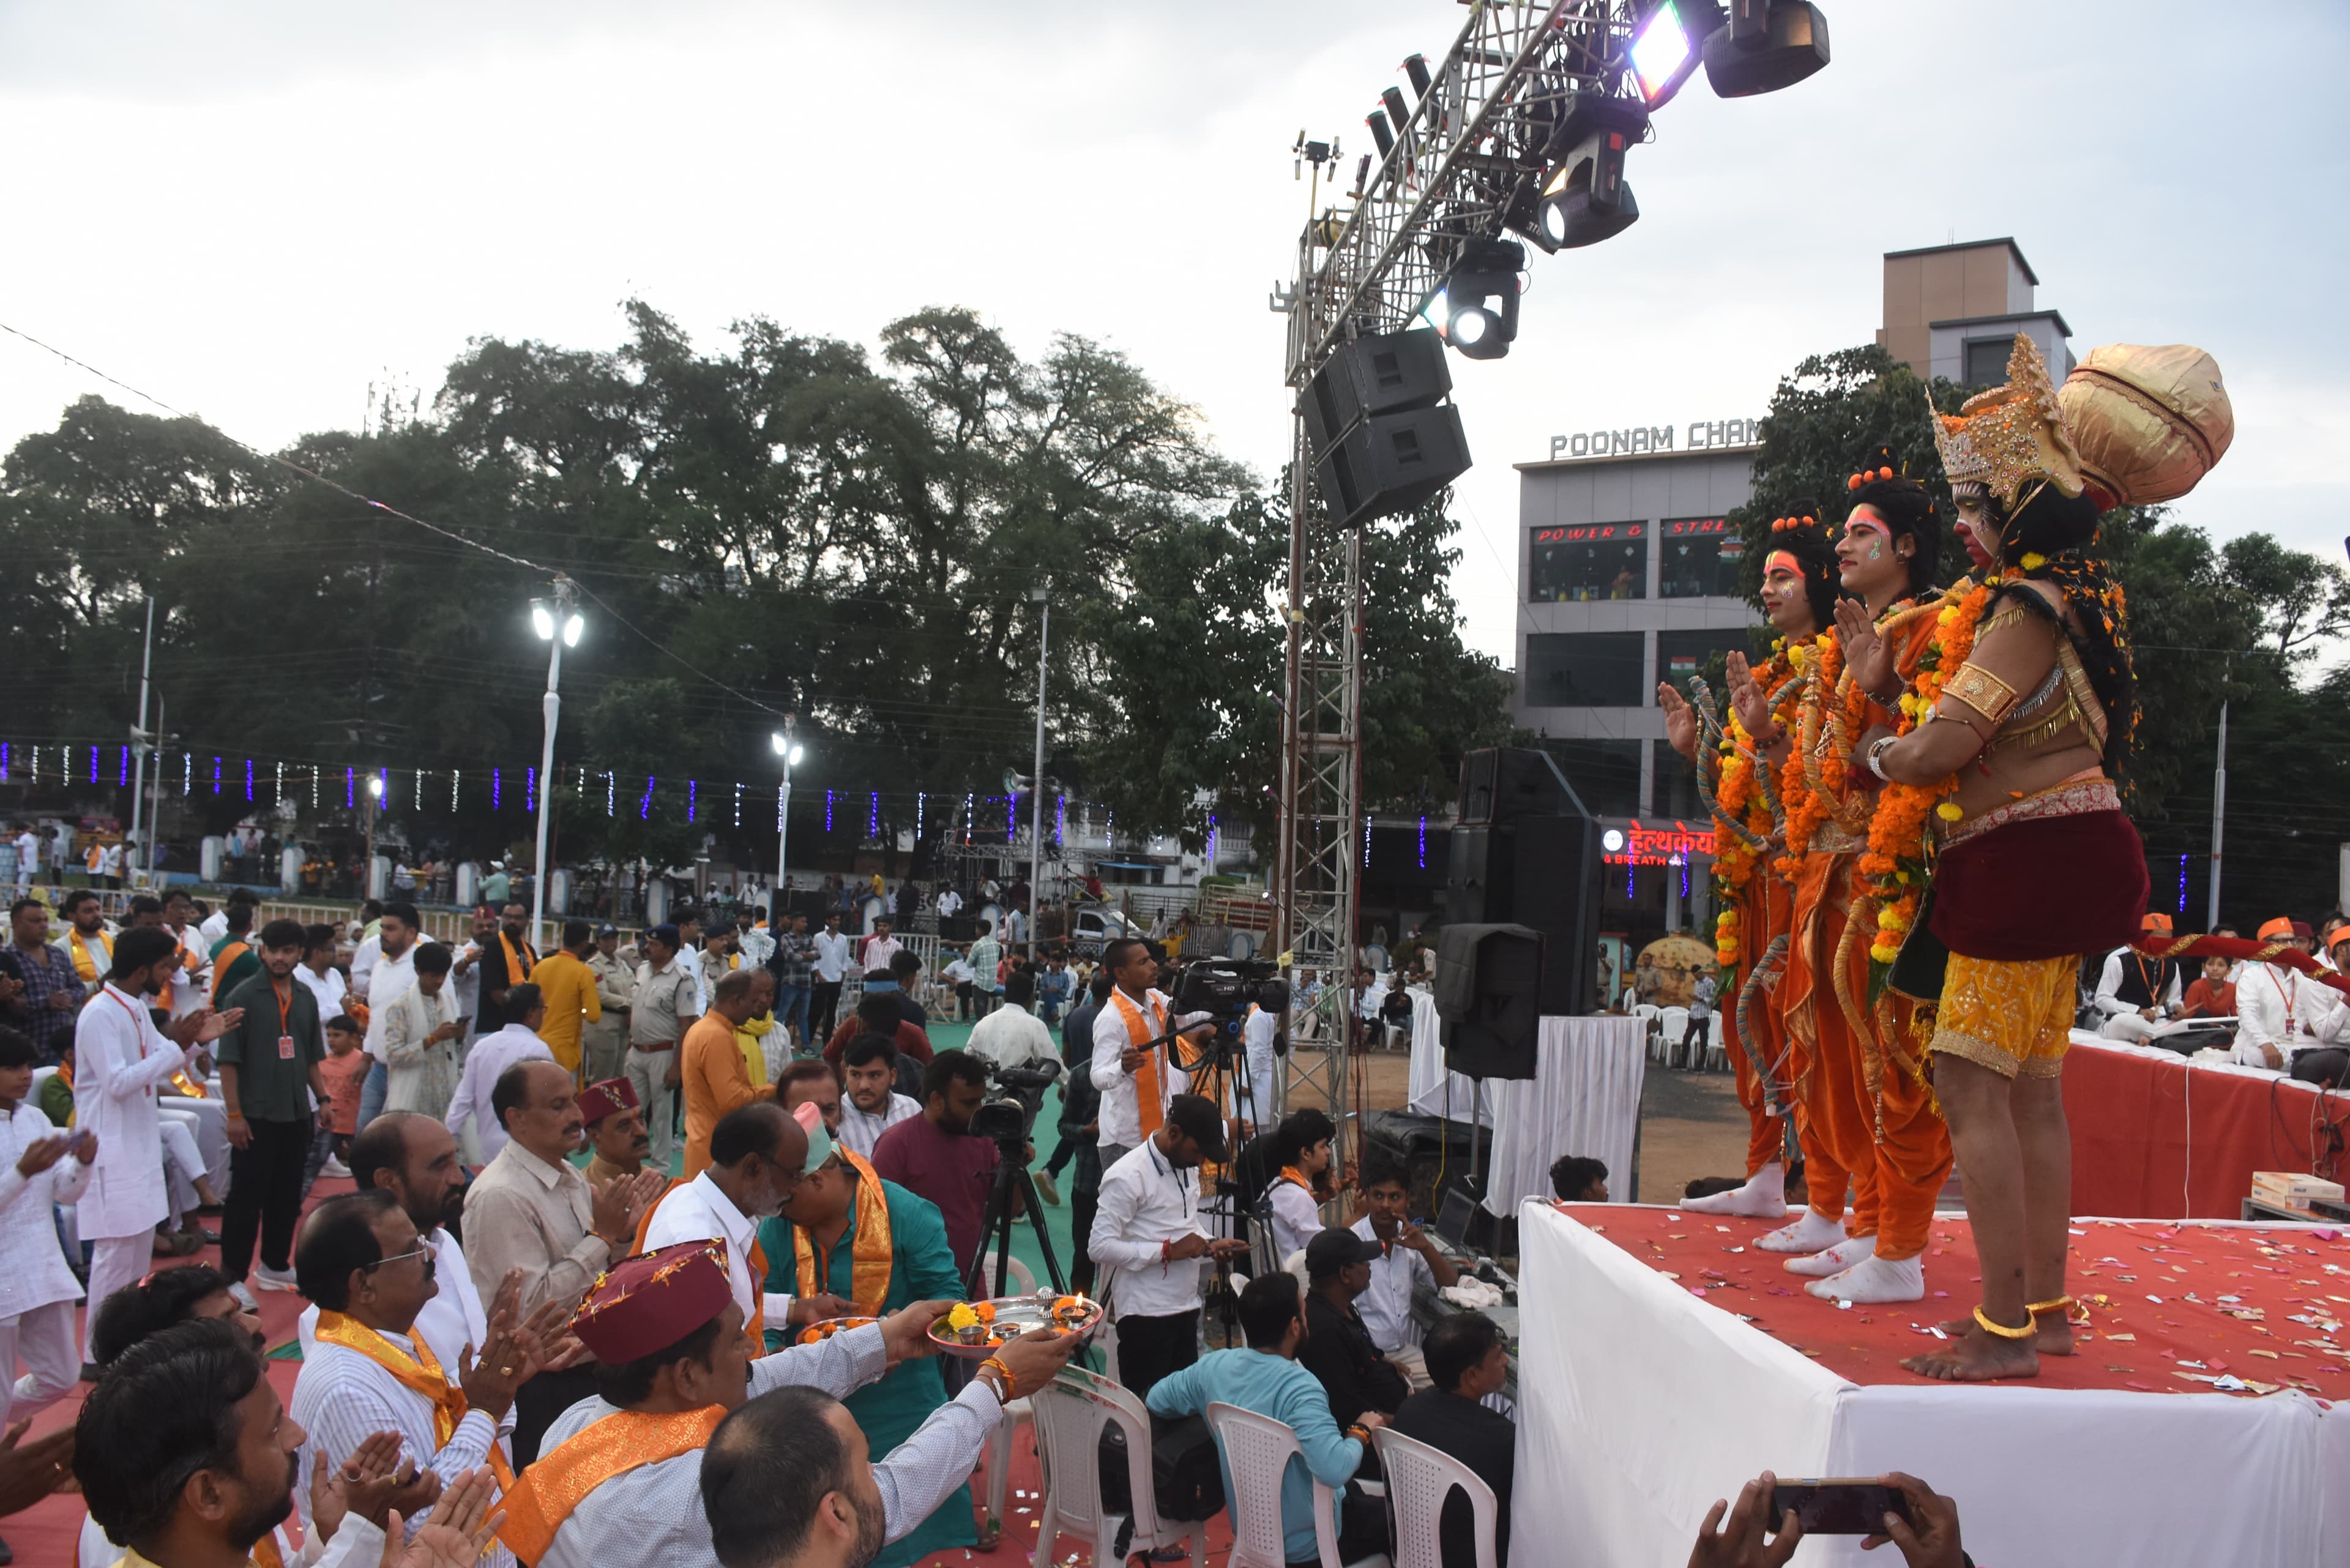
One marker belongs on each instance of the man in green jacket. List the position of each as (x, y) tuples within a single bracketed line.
[(275, 1096)]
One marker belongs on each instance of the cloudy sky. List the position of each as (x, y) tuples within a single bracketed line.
[(254, 208)]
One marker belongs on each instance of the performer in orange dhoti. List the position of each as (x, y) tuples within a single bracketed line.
[(1885, 556), (1799, 596), (2006, 754)]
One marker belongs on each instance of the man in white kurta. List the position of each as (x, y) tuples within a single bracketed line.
[(1129, 1049), (470, 1116), (728, 1200), (119, 1061), (37, 1291)]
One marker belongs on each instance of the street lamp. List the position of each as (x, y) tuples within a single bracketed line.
[(1041, 595), (366, 866), (791, 751), (547, 620)]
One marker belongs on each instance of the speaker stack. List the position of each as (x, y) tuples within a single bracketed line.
[(1382, 437), (1525, 854)]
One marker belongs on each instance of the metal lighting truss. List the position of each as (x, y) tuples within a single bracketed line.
[(1472, 155)]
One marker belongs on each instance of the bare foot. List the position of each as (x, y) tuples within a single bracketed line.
[(1873, 1280), (1811, 1233), (2055, 1336), (1764, 1197), (1835, 1260), (1977, 1358)]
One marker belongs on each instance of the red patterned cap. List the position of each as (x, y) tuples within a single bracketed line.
[(651, 1302), (600, 1099)]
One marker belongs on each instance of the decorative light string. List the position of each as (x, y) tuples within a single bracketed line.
[(689, 807), (828, 811), (2182, 884), (497, 787), (351, 790), (644, 803), (1423, 843)]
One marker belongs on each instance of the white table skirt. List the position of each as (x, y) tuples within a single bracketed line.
[(1641, 1404), (1584, 1099)]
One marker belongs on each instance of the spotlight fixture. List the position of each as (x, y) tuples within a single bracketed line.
[(1768, 45), (1667, 47), (1585, 199), (1481, 298)]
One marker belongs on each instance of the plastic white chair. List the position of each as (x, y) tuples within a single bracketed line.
[(1021, 1412), (1418, 1479), (1257, 1450), (1717, 1055), (1645, 1012), (1072, 1412), (1671, 1023)]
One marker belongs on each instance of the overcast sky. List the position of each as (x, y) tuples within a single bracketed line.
[(253, 210)]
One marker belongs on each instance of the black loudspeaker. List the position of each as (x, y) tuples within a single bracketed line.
[(1390, 463), (1555, 889), (1487, 981), (1501, 784), (1482, 885), (1391, 373)]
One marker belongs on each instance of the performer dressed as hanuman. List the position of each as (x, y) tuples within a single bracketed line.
[(2023, 709)]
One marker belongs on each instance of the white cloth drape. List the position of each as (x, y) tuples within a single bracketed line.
[(1689, 1404), (1584, 1099)]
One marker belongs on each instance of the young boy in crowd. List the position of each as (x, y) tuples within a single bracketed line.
[(2211, 995), (345, 1070)]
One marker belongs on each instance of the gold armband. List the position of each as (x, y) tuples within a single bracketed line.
[(1980, 690)]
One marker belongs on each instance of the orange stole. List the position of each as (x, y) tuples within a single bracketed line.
[(1140, 1033), (85, 965), (266, 1553), (551, 1488), (228, 956), (756, 1328), (871, 1254), (421, 1375), (524, 956)]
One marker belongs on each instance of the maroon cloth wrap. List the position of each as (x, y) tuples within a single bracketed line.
[(2044, 887)]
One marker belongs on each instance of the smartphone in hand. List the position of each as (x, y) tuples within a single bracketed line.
[(1839, 1506)]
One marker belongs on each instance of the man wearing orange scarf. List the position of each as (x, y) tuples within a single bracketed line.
[(847, 1233), (668, 1333), (506, 962), (361, 1260)]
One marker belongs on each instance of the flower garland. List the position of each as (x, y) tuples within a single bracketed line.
[(1895, 866), (1738, 799), (1804, 789)]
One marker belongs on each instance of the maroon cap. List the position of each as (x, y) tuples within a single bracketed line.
[(651, 1302), (600, 1099)]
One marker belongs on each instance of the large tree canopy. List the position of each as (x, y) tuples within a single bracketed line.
[(776, 525)]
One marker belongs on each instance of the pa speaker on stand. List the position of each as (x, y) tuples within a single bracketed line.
[(1383, 439)]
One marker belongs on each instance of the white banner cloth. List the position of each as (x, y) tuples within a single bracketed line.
[(1584, 1098), (1640, 1403)]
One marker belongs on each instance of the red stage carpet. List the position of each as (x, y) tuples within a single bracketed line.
[(1668, 1363), (2170, 1306)]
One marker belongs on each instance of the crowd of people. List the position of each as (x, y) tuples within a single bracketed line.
[(518, 1288)]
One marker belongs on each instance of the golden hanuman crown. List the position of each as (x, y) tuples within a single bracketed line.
[(2012, 436)]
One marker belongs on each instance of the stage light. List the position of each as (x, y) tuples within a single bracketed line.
[(1481, 298), (1415, 69), (1585, 199), (1667, 46), (1769, 45)]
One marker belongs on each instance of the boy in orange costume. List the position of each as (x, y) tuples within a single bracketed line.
[(1799, 596), (1864, 1110)]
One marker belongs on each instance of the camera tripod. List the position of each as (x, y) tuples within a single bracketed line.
[(1011, 1182), (1218, 1066)]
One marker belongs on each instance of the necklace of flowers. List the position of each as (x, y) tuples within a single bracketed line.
[(1802, 778), (1900, 859), (1742, 800)]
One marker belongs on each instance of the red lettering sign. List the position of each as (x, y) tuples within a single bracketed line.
[(1674, 845), (1697, 526), (1591, 533)]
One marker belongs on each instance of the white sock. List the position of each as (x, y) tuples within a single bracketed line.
[(1834, 1259), (1764, 1196), (1809, 1233), (1874, 1279)]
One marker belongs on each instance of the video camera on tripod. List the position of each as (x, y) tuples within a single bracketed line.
[(1013, 1097), (1225, 989)]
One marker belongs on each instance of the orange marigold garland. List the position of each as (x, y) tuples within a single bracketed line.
[(1895, 866), (1805, 794), (1740, 800)]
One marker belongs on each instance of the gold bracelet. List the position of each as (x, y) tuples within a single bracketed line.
[(1011, 1384), (1984, 1321)]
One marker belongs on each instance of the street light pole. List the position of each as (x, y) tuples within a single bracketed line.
[(558, 625), (138, 735), (1041, 597), (787, 749)]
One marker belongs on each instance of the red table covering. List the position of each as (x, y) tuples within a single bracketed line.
[(2165, 1138)]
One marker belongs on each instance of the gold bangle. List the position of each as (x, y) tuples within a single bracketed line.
[(2062, 1303), (1984, 1321)]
